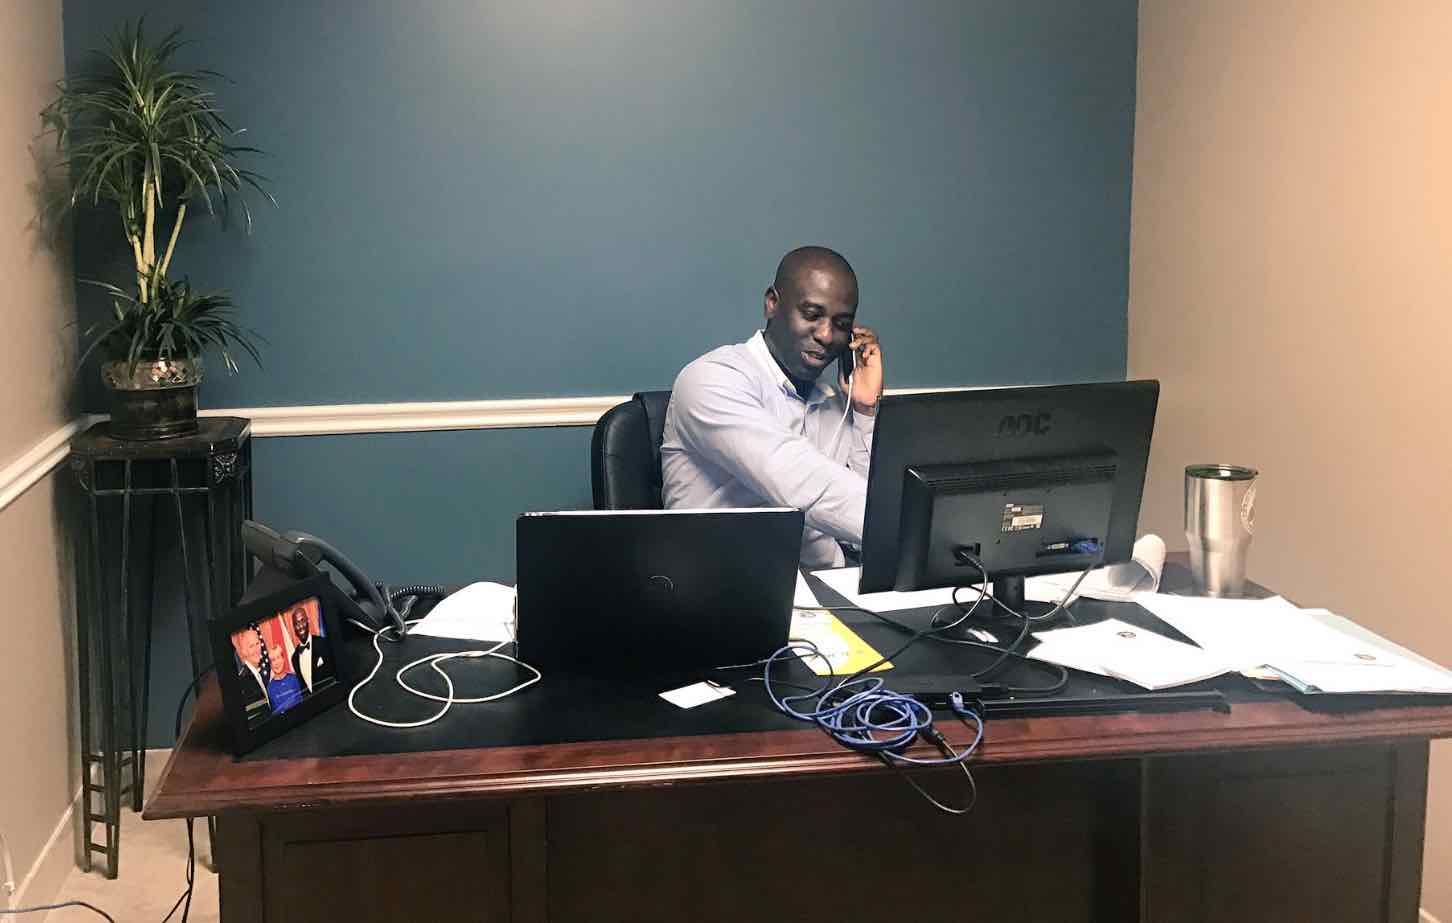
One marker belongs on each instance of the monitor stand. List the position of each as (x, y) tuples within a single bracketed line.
[(1009, 591)]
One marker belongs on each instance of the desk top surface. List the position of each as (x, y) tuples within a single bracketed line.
[(202, 777)]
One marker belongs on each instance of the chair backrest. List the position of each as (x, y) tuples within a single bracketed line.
[(625, 453)]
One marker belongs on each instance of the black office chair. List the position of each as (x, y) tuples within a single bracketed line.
[(625, 453)]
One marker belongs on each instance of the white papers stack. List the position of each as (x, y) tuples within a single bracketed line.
[(1313, 650), (1242, 632), (1118, 649), (1119, 582), (479, 612)]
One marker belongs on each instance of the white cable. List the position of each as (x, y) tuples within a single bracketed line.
[(433, 660), (9, 884), (846, 409)]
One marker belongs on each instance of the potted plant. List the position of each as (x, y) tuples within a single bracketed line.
[(148, 139)]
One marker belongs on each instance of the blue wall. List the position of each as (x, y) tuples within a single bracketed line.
[(493, 199), (500, 199)]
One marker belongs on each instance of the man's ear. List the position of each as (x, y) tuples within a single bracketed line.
[(771, 303)]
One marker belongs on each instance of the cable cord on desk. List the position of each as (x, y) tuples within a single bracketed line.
[(434, 661), (1005, 653), (860, 713)]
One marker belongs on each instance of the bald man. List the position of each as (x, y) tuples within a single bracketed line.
[(764, 423)]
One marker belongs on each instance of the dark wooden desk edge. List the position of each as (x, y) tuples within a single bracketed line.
[(201, 778)]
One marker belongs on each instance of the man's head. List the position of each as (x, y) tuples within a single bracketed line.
[(279, 660), (300, 627), (810, 308), (248, 647)]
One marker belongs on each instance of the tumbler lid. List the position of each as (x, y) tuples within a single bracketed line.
[(1221, 472)]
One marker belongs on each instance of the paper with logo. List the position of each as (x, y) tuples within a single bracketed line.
[(1314, 650), (1124, 651), (844, 650)]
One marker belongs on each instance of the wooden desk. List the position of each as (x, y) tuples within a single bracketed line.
[(1271, 812)]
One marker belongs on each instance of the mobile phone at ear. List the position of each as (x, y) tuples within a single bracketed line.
[(848, 361)]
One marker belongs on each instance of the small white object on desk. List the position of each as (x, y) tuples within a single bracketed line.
[(1118, 649), (481, 611), (697, 694)]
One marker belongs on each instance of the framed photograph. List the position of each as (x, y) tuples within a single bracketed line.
[(278, 661)]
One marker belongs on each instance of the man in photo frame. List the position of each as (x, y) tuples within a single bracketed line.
[(309, 661), (248, 645)]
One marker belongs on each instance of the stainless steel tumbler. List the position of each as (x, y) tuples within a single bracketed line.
[(1219, 524)]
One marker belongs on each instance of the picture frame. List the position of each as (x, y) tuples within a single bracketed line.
[(279, 661)]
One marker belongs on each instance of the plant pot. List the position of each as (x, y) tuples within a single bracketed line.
[(153, 399)]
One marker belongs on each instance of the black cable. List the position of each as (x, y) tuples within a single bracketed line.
[(394, 594), (185, 901), (191, 878), (186, 895), (1004, 653), (1060, 674), (923, 633), (181, 706), (40, 907)]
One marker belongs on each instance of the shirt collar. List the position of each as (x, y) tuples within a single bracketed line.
[(758, 348)]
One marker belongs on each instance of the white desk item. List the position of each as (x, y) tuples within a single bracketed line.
[(697, 694), (1313, 650), (1118, 649), (479, 612)]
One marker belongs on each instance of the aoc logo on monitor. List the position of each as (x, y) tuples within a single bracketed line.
[(1025, 424)]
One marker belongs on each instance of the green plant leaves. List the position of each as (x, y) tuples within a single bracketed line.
[(178, 321), (149, 137)]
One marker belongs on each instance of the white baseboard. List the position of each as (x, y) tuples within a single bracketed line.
[(1426, 917), (42, 882)]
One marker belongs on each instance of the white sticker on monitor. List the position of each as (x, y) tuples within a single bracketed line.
[(1021, 517)]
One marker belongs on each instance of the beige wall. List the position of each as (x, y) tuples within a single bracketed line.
[(1291, 286), (33, 350), (37, 778)]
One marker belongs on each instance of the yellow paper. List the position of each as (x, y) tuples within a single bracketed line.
[(845, 651)]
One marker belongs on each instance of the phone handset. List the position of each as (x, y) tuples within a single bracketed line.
[(298, 554)]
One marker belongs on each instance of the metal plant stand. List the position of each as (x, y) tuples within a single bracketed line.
[(144, 502)]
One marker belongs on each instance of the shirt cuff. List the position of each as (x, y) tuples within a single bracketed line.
[(864, 423)]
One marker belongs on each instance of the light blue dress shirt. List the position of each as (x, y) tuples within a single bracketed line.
[(737, 434)]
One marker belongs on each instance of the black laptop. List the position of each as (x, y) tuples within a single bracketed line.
[(653, 592)]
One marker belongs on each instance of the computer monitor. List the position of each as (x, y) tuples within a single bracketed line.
[(1025, 480)]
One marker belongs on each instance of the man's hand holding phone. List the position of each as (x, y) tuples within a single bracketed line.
[(864, 358)]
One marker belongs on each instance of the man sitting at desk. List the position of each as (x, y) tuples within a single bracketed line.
[(756, 423)]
